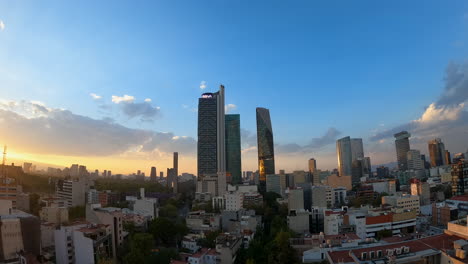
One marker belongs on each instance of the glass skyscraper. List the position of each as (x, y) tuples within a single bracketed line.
[(436, 152), (344, 155), (402, 147), (211, 138), (266, 155), (233, 148)]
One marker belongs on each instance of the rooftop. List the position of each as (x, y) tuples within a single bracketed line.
[(462, 198), (439, 242)]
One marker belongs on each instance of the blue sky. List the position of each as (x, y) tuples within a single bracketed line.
[(357, 66)]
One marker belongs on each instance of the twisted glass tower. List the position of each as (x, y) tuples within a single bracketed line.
[(266, 154)]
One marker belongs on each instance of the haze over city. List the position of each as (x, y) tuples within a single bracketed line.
[(79, 85)]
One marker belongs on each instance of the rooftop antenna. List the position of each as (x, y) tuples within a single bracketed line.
[(4, 155)]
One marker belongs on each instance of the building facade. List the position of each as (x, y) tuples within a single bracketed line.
[(233, 148), (402, 146), (266, 153)]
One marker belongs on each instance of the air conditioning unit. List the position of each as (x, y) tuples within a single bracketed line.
[(398, 251), (406, 249), (389, 252)]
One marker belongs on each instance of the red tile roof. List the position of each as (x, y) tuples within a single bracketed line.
[(438, 242), (463, 198), (372, 220)]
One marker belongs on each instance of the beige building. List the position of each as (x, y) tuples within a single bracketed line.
[(405, 201), (423, 190), (54, 214), (11, 239), (336, 181)]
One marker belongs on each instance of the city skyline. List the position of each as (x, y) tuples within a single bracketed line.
[(143, 110)]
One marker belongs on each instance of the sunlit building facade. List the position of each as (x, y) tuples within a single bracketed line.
[(344, 154), (266, 155), (436, 152)]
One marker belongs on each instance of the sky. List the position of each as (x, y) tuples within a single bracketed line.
[(115, 84)]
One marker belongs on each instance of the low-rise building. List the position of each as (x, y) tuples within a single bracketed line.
[(199, 221), (405, 201)]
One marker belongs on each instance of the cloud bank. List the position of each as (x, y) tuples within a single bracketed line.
[(36, 128)]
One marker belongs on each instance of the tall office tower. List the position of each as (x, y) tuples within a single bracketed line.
[(367, 166), (104, 173), (357, 169), (436, 152), (315, 177), (266, 154), (402, 147), (175, 165), (211, 159), (233, 148), (161, 175), (170, 177), (460, 178), (344, 154), (427, 165), (357, 149), (448, 159), (414, 159), (109, 174), (153, 174)]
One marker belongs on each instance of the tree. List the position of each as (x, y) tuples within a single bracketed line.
[(34, 204), (77, 212), (210, 239), (141, 245)]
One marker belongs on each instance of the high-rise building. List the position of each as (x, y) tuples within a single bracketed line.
[(344, 154), (211, 156), (315, 176), (161, 175), (402, 147), (460, 178), (233, 148), (357, 169), (266, 154), (414, 159), (436, 152), (367, 166), (153, 174), (175, 165), (357, 149), (448, 159)]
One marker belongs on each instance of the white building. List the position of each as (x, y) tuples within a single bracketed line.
[(298, 221), (322, 196), (73, 191), (147, 207), (234, 201), (83, 243)]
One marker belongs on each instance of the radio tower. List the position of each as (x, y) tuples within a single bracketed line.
[(4, 155)]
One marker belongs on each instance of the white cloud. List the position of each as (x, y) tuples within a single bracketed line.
[(203, 85), (442, 113), (2, 25), (148, 100), (125, 99), (230, 107), (95, 96)]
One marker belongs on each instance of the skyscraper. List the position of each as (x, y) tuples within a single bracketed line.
[(436, 152), (153, 174), (357, 149), (460, 178), (448, 159), (211, 156), (175, 161), (266, 155), (313, 172), (233, 148), (344, 155), (414, 159), (402, 147)]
